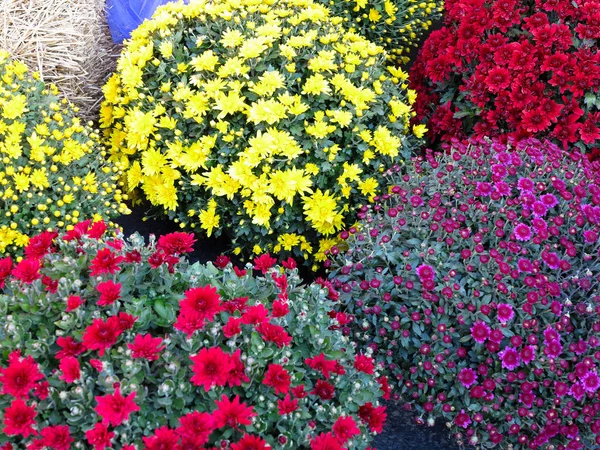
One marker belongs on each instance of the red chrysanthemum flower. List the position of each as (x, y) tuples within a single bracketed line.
[(70, 368), (57, 437), (232, 327), (373, 417), (264, 262), (239, 272), (115, 409), (97, 364), (27, 271), (109, 292), (164, 439), (255, 315), (232, 413), (96, 231), (235, 304), (40, 245), (325, 441), (287, 405), (364, 364), (289, 263), (78, 231), (274, 333), (176, 243), (74, 302), (20, 376), (221, 261), (320, 363), (250, 442), (133, 257), (299, 391), (281, 308), (41, 390), (49, 284), (278, 378), (99, 436), (189, 322), (202, 300), (345, 429), (196, 426), (5, 269), (19, 419), (146, 347), (105, 262), (211, 368), (101, 335), (324, 390), (124, 321), (535, 120), (237, 375), (332, 294), (384, 386), (70, 347)]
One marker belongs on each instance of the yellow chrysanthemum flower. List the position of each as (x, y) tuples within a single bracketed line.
[(321, 210)]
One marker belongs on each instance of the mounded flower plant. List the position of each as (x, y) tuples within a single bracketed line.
[(112, 343), (52, 168), (475, 284), (519, 69), (266, 120)]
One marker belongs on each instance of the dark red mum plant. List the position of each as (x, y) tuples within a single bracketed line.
[(508, 68), (475, 284)]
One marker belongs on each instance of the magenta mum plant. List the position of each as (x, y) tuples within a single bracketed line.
[(475, 284), (113, 343)]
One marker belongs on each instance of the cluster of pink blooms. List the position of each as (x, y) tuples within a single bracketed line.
[(24, 386), (475, 281)]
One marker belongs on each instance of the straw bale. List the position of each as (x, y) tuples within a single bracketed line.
[(66, 41)]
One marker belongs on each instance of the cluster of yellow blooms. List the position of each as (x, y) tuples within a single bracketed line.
[(394, 24), (52, 173), (264, 118)]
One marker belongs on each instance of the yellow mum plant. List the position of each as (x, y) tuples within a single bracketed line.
[(395, 24), (262, 118), (52, 171)]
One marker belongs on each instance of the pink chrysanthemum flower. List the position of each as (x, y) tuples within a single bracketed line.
[(591, 381), (510, 358), (480, 332), (549, 200), (425, 272), (525, 184), (505, 312), (527, 354), (468, 377), (524, 265), (522, 232)]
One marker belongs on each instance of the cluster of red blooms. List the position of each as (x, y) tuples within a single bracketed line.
[(509, 68), (201, 307), (475, 282)]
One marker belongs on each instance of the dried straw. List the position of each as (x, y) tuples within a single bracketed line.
[(66, 41)]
